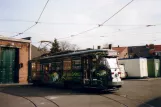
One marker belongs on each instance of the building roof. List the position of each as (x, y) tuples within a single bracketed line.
[(157, 47), (13, 39), (119, 49), (35, 52)]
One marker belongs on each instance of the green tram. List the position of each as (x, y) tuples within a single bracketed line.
[(97, 68)]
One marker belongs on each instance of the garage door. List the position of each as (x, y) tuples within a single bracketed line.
[(7, 65)]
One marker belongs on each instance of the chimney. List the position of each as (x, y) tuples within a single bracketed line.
[(27, 38), (98, 47), (110, 46)]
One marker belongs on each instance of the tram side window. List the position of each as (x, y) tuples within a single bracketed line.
[(41, 67), (33, 66), (94, 63), (45, 68), (50, 68), (94, 67), (53, 66), (58, 66), (38, 67), (76, 65), (67, 65)]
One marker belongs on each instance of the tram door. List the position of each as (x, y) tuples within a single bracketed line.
[(86, 63)]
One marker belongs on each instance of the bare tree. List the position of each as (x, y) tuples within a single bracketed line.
[(64, 45), (74, 47)]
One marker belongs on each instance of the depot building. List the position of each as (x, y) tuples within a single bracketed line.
[(14, 57)]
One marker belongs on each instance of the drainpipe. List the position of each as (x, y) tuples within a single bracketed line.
[(30, 51)]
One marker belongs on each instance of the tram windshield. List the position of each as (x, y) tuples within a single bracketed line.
[(109, 62)]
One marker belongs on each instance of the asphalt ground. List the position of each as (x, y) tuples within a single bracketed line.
[(134, 93)]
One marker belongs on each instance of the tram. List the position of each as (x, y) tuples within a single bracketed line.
[(95, 68)]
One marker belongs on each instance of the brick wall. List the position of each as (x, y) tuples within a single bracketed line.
[(23, 58)]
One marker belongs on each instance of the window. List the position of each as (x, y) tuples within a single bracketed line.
[(37, 67), (58, 66), (67, 65), (112, 63), (50, 67), (76, 64), (41, 67), (53, 66), (33, 66), (45, 67)]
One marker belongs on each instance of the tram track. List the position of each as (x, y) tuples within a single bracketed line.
[(51, 101), (35, 105), (31, 101), (125, 96), (115, 100)]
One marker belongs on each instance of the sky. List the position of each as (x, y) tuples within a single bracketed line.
[(63, 18)]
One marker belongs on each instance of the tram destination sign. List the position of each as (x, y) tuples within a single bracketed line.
[(112, 53)]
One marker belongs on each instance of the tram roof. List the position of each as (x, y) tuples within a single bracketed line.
[(78, 53)]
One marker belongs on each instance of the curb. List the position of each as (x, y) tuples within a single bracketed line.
[(148, 79), (15, 84)]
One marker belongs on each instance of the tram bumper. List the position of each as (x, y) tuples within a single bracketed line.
[(115, 84)]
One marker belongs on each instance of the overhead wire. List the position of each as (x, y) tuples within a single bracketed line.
[(24, 30), (119, 30), (99, 25), (116, 13), (16, 20), (35, 22), (86, 31), (146, 26), (42, 11), (68, 23)]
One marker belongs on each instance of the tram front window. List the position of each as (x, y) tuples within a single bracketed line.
[(104, 66), (112, 63)]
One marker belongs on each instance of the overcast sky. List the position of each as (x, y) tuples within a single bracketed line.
[(63, 18)]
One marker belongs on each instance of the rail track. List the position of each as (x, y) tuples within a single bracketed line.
[(31, 101), (125, 96), (115, 100), (100, 94)]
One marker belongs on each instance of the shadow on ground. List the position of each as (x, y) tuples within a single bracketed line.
[(42, 91), (155, 102)]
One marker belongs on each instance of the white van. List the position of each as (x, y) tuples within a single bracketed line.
[(122, 70)]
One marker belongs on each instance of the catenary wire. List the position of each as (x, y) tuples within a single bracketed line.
[(117, 12), (35, 22), (42, 11), (99, 25)]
